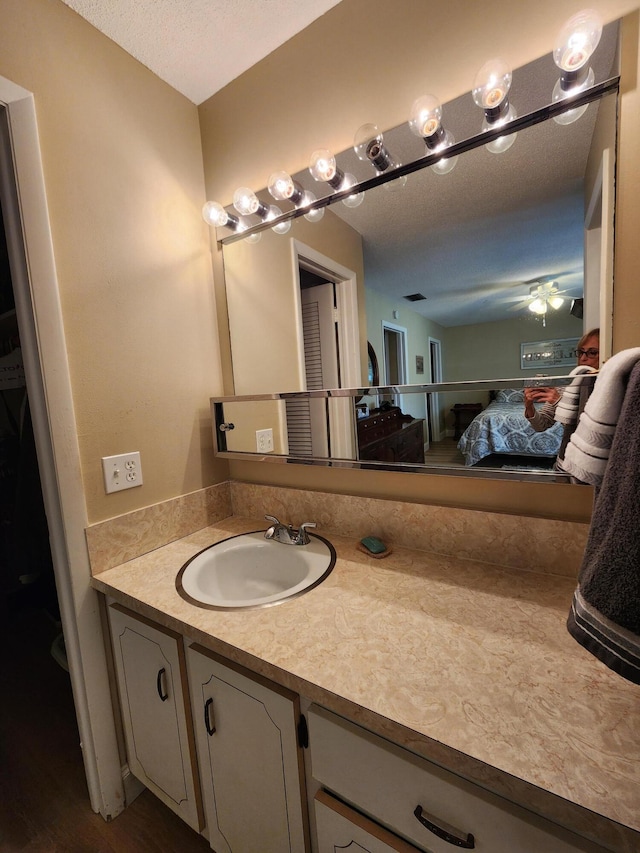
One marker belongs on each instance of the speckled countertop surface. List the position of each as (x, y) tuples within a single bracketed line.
[(463, 662)]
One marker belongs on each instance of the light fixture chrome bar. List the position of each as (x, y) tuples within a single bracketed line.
[(520, 123)]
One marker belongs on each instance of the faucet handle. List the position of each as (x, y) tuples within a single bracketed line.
[(303, 536)]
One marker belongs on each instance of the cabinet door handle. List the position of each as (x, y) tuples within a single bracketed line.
[(209, 719), (162, 693), (468, 843)]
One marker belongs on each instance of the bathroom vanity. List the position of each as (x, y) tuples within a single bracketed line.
[(418, 702)]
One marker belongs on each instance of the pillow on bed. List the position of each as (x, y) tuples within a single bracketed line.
[(509, 395)]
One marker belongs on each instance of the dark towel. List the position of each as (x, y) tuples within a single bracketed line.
[(605, 613)]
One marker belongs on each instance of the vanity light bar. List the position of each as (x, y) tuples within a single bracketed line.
[(575, 44), (431, 158)]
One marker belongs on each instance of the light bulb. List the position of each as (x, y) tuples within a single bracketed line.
[(491, 86), (247, 202), (274, 213), (282, 187), (502, 143), (425, 119), (446, 164), (251, 238), (323, 167), (317, 213), (354, 200), (577, 40), (215, 214), (368, 143), (556, 302), (538, 306)]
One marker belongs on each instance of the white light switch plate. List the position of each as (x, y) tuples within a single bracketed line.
[(121, 472)]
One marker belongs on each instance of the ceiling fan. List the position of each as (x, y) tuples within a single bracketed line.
[(544, 295)]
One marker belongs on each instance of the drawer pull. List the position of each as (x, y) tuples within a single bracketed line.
[(468, 843), (162, 693), (209, 719)]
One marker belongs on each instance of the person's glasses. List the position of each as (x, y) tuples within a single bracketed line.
[(588, 353)]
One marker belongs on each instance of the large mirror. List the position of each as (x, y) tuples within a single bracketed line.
[(435, 276)]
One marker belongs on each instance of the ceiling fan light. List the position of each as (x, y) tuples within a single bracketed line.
[(556, 302), (538, 306)]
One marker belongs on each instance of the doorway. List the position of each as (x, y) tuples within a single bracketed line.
[(433, 400), (329, 348), (35, 288), (394, 360)]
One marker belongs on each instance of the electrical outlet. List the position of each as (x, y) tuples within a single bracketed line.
[(121, 472), (264, 440)]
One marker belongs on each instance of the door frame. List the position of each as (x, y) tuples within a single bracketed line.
[(39, 316), (401, 331), (435, 375), (342, 426)]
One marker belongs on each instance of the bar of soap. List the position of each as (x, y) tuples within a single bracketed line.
[(375, 546)]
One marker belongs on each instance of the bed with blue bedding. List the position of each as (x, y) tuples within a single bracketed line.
[(502, 428)]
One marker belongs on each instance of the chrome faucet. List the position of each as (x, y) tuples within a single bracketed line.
[(286, 533)]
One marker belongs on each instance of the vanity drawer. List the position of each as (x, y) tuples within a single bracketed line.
[(390, 783), (340, 828)]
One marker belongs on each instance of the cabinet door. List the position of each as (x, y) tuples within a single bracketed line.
[(151, 673), (250, 762), (340, 828)]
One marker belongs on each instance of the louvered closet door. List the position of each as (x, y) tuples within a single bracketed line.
[(307, 419)]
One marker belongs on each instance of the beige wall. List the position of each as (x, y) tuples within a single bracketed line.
[(123, 171), (372, 64), (492, 350), (263, 300)]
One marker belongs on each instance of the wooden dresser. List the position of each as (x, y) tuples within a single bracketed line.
[(390, 436)]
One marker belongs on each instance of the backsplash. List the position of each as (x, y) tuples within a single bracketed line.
[(536, 544), (116, 540), (533, 544)]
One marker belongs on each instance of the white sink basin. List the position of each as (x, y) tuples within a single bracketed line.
[(251, 571)]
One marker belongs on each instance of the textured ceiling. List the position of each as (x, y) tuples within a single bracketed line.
[(198, 46)]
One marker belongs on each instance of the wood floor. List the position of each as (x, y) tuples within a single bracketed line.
[(44, 805)]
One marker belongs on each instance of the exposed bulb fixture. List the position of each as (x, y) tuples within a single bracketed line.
[(316, 213), (425, 120), (283, 188), (246, 202), (491, 93), (368, 143), (324, 169), (354, 200), (214, 214), (273, 213), (575, 44)]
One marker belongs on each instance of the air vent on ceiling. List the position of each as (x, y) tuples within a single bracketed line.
[(415, 297)]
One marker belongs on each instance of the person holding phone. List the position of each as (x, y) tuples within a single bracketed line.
[(588, 354)]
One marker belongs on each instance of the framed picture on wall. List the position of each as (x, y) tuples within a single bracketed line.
[(558, 353), (419, 364)]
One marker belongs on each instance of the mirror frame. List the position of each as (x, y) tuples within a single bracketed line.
[(221, 427), (225, 237)]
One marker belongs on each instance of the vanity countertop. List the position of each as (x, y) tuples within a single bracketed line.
[(466, 663)]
